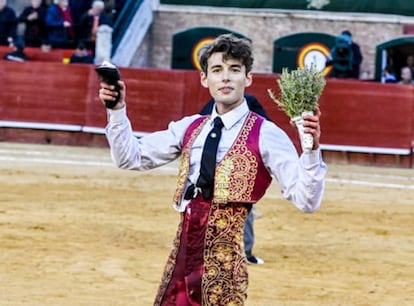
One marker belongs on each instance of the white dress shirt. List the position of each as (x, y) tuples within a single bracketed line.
[(301, 179)]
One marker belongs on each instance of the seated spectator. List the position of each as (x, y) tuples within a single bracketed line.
[(8, 24), (60, 25), (410, 63), (90, 22), (406, 76), (388, 75), (17, 55), (81, 55), (33, 16)]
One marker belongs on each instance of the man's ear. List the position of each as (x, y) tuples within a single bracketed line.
[(249, 79), (203, 79)]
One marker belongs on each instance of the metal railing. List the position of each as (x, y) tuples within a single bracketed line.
[(123, 21)]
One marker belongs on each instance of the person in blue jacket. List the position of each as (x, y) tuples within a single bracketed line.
[(60, 25)]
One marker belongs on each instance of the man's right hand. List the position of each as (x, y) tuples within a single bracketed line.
[(107, 92)]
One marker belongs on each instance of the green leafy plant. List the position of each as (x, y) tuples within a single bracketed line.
[(299, 90)]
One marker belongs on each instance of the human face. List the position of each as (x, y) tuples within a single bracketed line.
[(226, 81), (36, 3), (3, 4), (63, 3), (406, 74), (97, 8)]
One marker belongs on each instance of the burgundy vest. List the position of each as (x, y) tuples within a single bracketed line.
[(241, 175)]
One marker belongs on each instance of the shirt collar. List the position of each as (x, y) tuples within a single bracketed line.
[(232, 117)]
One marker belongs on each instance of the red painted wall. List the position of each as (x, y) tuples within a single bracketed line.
[(354, 113)]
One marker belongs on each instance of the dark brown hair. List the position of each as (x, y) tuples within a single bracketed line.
[(232, 47)]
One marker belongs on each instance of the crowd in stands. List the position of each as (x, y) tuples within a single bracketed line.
[(73, 24), (406, 72), (64, 24), (346, 58)]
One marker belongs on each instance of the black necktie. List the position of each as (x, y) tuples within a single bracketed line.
[(208, 159)]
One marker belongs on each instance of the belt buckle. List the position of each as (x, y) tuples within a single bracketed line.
[(197, 191), (192, 192)]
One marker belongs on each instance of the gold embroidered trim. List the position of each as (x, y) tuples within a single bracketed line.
[(236, 173), (225, 277), (185, 162)]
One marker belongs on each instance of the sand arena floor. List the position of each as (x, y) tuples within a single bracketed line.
[(74, 230)]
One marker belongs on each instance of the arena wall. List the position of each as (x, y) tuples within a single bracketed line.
[(50, 102), (265, 26)]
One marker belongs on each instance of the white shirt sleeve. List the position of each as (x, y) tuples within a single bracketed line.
[(148, 152), (301, 179)]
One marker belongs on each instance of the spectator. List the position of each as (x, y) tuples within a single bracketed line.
[(345, 57), (406, 76), (60, 25), (388, 75), (90, 22), (410, 63), (17, 55), (33, 16), (8, 24), (357, 55), (81, 55)]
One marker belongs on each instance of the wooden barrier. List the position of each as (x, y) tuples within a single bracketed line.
[(362, 122)]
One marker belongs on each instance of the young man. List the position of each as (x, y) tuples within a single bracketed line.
[(248, 237), (207, 265)]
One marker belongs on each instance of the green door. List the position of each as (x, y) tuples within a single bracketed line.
[(186, 45), (393, 53), (302, 49)]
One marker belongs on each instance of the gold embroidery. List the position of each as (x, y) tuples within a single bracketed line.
[(222, 180), (225, 279), (235, 174), (185, 162)]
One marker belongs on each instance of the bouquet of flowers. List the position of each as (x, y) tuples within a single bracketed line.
[(299, 94)]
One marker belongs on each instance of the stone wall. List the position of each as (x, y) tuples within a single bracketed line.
[(265, 26)]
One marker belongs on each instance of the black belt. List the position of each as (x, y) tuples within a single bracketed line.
[(193, 191)]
